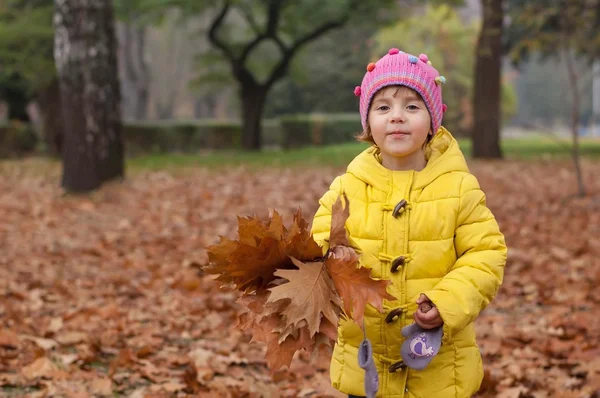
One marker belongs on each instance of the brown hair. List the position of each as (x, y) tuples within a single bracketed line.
[(366, 136)]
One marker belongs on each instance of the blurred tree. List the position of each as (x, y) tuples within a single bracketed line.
[(172, 59), (14, 89), (542, 104), (449, 43), (132, 33), (558, 28), (26, 41), (26, 45), (264, 38), (85, 54), (487, 94), (324, 74)]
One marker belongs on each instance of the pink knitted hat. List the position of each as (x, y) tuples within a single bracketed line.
[(400, 68)]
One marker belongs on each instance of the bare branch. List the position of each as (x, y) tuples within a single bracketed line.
[(249, 47), (281, 68), (250, 18), (212, 33), (271, 31), (282, 47), (318, 32), (274, 13)]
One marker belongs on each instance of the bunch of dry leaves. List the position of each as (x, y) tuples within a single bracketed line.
[(293, 295)]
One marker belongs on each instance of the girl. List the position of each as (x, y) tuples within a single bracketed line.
[(419, 219)]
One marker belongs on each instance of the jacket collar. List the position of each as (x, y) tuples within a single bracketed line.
[(443, 156)]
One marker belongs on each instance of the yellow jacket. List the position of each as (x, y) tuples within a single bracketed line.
[(434, 230)]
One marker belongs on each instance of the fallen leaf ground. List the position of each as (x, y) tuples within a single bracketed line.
[(104, 295)]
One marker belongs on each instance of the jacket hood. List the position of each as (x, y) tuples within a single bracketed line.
[(443, 156)]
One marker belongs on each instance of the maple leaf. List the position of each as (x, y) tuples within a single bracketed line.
[(310, 292), (251, 261), (281, 352), (300, 242), (355, 285), (339, 215), (254, 305), (262, 247)]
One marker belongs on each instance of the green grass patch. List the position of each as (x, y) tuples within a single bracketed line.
[(332, 155), (340, 155), (531, 148)]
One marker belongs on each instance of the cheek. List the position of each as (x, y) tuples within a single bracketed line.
[(425, 122), (377, 126)]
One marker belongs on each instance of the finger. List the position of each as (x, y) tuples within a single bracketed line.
[(433, 323), (423, 322), (422, 298), (428, 324), (427, 316), (419, 322), (425, 325)]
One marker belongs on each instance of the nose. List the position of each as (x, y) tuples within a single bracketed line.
[(397, 116)]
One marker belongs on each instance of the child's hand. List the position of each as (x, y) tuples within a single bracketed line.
[(427, 315)]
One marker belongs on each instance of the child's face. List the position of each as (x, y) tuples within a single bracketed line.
[(399, 123)]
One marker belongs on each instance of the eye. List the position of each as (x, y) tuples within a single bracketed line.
[(383, 108), (413, 107)]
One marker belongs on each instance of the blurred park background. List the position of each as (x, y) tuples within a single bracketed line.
[(172, 117)]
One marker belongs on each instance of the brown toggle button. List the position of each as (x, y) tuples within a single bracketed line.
[(397, 366), (401, 205), (391, 317), (397, 263)]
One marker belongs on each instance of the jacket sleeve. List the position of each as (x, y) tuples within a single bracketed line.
[(481, 250), (322, 220)]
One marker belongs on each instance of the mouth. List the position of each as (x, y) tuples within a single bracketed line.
[(398, 134)]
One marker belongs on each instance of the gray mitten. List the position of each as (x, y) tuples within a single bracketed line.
[(420, 346), (365, 361)]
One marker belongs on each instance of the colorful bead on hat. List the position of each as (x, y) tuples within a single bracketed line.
[(399, 68)]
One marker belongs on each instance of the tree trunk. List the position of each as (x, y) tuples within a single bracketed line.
[(85, 55), (253, 102), (14, 91), (486, 101), (136, 68), (52, 122), (575, 110)]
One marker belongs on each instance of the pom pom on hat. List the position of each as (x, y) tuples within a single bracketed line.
[(357, 91), (424, 58), (393, 51), (371, 67), (412, 59), (444, 108)]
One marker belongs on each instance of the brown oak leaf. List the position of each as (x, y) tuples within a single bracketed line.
[(262, 247), (281, 352), (250, 261), (310, 292), (300, 242), (339, 215), (355, 285)]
